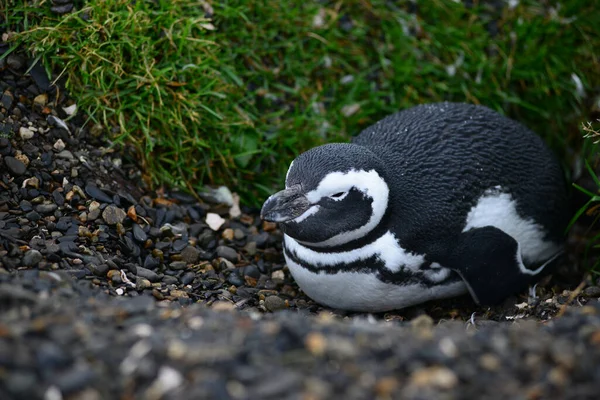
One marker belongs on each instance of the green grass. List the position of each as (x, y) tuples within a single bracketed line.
[(232, 99)]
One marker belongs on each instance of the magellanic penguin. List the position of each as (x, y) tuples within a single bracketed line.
[(428, 203)]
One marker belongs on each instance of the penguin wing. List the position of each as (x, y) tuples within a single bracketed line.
[(489, 262)]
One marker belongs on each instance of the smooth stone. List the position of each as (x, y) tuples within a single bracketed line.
[(151, 262), (178, 265), (275, 303), (16, 167), (148, 274), (46, 208), (97, 193), (142, 283), (32, 258), (227, 253), (98, 270), (188, 278), (139, 234)]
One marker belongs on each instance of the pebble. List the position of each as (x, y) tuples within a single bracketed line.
[(16, 167), (59, 145), (178, 265), (148, 274), (32, 258), (227, 253), (25, 133), (46, 208), (113, 215), (190, 255), (434, 376), (274, 303), (96, 193), (139, 234)]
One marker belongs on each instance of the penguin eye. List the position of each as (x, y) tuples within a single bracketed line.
[(338, 195)]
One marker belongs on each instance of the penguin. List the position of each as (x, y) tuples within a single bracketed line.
[(431, 202)]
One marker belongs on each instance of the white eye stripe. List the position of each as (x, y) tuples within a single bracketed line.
[(368, 182)]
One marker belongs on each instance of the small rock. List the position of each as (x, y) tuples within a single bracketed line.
[(33, 216), (274, 303), (228, 234), (190, 255), (46, 208), (65, 155), (178, 265), (32, 258), (23, 158), (70, 110), (142, 283), (147, 274), (59, 145), (592, 291), (41, 100), (250, 248), (7, 100), (98, 270), (227, 253), (435, 376), (16, 167), (178, 294), (25, 133), (139, 234), (214, 221), (113, 215)]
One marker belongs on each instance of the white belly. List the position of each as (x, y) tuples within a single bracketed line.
[(359, 291)]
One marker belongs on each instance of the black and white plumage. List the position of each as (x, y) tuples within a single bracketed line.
[(428, 203)]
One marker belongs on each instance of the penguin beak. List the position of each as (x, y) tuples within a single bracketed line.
[(285, 205)]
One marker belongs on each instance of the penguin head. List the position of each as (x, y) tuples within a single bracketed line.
[(334, 194)]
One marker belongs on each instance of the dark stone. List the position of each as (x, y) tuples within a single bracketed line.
[(46, 208), (32, 258), (148, 274), (178, 265), (16, 167), (252, 271), (151, 262), (33, 216), (227, 253), (98, 270), (188, 278), (139, 234), (97, 194), (7, 100), (190, 255)]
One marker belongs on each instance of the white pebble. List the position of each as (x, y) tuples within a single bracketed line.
[(214, 221), (25, 133), (71, 110), (59, 145)]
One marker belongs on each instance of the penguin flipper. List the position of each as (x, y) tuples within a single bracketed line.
[(489, 262)]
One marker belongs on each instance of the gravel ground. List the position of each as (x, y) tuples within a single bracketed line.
[(109, 290)]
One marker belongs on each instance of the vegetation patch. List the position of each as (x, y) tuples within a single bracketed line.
[(229, 92)]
